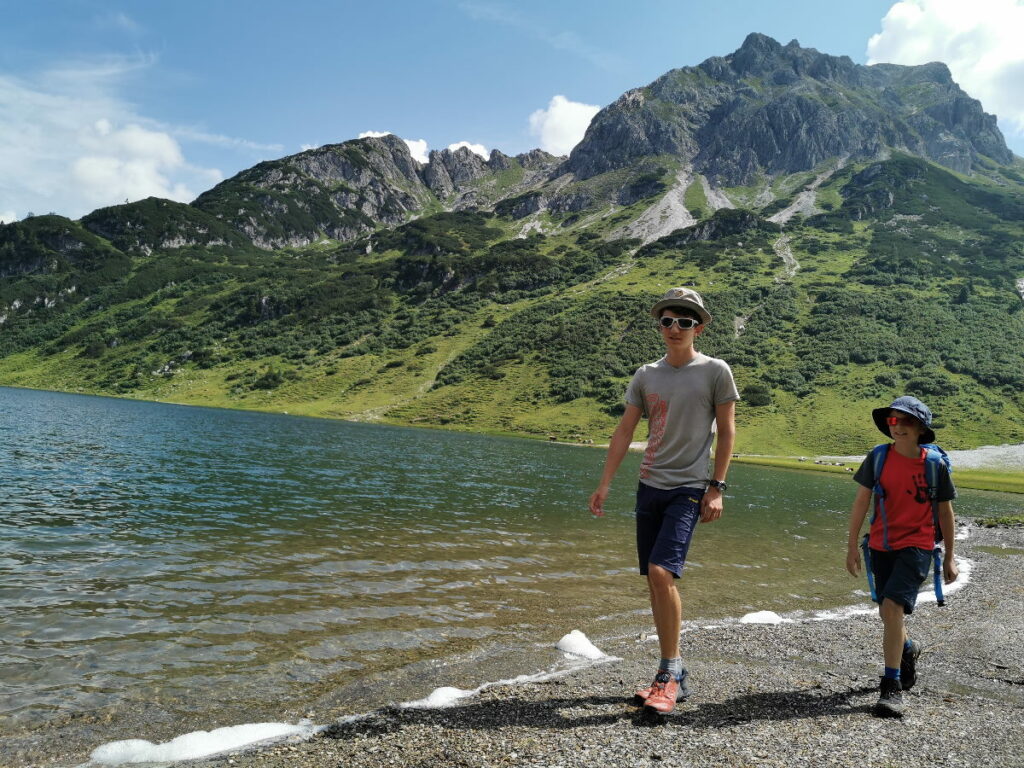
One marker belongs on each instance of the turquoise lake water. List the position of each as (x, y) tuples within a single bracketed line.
[(172, 559)]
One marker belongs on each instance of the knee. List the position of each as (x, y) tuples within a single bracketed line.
[(660, 579), (891, 610)]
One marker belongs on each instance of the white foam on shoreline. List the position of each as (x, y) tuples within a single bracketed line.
[(445, 696), (764, 617), (926, 595), (199, 744), (576, 646)]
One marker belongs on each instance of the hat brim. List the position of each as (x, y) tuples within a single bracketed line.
[(703, 314), (881, 415)]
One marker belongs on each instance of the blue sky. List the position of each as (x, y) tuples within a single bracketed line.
[(106, 101)]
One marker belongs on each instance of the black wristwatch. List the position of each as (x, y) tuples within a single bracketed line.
[(719, 484)]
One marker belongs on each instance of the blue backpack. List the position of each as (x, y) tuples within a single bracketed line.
[(933, 458)]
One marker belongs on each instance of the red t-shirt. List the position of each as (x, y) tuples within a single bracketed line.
[(907, 506)]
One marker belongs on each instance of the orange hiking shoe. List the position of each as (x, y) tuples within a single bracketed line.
[(664, 691), (663, 681)]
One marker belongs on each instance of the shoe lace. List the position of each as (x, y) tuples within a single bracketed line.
[(660, 681)]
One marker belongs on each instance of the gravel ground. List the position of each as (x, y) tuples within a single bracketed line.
[(782, 695), (764, 695)]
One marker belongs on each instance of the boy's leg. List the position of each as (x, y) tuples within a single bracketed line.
[(894, 632), (890, 691), (667, 609), (898, 577), (666, 558)]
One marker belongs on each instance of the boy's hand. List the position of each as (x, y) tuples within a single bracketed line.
[(597, 499), (853, 561), (949, 570), (711, 506)]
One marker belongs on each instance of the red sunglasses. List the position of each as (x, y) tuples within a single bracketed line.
[(907, 421)]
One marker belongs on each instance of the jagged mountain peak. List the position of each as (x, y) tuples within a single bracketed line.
[(767, 110), (761, 54)]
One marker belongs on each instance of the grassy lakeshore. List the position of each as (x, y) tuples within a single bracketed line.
[(980, 479)]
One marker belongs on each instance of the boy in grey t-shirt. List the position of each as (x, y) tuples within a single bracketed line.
[(686, 397)]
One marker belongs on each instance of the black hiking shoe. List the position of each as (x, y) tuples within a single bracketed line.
[(890, 699), (908, 665)]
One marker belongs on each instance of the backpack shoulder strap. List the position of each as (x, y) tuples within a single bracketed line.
[(878, 456), (934, 458)]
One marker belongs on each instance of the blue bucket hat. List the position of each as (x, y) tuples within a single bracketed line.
[(909, 405)]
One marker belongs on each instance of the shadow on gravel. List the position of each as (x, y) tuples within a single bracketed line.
[(774, 705), (605, 710)]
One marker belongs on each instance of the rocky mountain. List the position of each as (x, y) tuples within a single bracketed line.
[(343, 191), (769, 110)]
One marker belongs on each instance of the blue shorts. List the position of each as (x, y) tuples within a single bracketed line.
[(665, 520), (899, 574)]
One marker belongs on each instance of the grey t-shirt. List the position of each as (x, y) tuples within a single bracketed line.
[(679, 404)]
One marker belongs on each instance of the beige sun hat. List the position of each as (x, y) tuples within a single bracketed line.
[(682, 297)]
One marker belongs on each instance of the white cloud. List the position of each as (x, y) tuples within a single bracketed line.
[(561, 126), (478, 149), (417, 147), (6, 217), (980, 41), (128, 163), (307, 147), (69, 143)]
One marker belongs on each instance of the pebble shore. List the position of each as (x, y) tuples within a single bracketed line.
[(764, 695), (796, 694)]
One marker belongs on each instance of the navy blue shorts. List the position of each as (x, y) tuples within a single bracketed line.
[(899, 574), (665, 520)]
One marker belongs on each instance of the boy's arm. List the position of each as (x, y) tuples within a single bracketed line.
[(617, 449), (725, 425), (858, 512), (947, 525)]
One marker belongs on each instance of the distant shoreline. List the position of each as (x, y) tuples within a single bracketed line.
[(985, 475)]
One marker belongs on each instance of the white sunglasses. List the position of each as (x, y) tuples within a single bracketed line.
[(684, 323)]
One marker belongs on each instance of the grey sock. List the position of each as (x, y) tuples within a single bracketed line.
[(675, 666)]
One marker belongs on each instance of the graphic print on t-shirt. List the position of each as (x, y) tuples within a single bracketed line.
[(920, 491), (657, 414)]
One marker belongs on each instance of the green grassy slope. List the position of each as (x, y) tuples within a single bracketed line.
[(905, 284)]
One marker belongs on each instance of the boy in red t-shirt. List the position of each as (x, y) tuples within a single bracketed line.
[(902, 539)]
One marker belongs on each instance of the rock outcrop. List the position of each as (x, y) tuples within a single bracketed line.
[(341, 190)]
